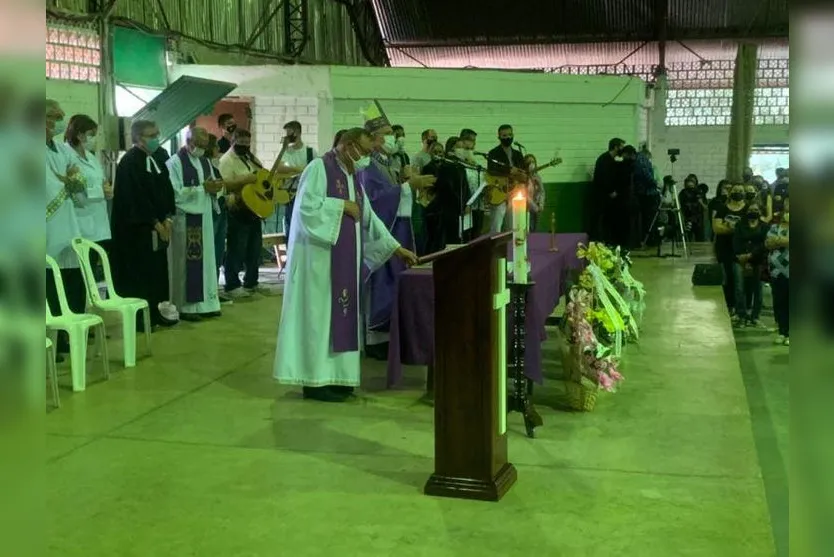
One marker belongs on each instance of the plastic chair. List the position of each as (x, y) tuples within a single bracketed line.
[(127, 308), (77, 326), (52, 373)]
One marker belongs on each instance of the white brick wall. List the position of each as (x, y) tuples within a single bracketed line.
[(269, 114), (74, 97), (703, 148)]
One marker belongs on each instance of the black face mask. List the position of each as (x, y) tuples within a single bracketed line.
[(750, 195), (241, 150), (754, 215), (431, 141), (506, 141), (737, 196)]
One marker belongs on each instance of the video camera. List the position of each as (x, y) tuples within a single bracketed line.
[(673, 154)]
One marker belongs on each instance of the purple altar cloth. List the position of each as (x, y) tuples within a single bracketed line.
[(411, 339)]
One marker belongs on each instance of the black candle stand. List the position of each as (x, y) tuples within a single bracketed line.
[(518, 397)]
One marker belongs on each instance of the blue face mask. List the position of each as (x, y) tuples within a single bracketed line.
[(60, 128)]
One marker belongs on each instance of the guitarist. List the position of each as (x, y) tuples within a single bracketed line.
[(297, 156), (503, 160), (244, 234)]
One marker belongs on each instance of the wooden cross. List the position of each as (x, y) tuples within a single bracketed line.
[(500, 300)]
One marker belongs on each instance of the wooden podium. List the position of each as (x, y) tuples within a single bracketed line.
[(470, 371)]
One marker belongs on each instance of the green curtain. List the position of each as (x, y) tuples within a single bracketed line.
[(741, 120)]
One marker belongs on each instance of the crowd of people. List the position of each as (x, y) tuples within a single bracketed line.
[(747, 221), (177, 221)]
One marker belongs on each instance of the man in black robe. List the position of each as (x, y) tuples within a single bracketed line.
[(606, 198), (141, 221), (446, 210)]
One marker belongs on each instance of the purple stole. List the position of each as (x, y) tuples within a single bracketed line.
[(344, 287), (193, 231)]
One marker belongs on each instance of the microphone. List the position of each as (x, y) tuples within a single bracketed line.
[(520, 145), (480, 154)]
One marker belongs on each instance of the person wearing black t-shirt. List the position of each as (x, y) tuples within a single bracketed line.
[(726, 218), (750, 256), (721, 196)]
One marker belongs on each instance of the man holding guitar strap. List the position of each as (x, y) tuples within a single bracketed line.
[(504, 161), (243, 238), (297, 156)]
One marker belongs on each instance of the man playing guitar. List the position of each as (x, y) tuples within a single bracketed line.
[(504, 161)]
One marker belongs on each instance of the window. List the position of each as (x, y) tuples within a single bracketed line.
[(765, 159), (72, 53), (701, 94)]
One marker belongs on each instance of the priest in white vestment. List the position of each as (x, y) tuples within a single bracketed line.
[(334, 232), (191, 253)]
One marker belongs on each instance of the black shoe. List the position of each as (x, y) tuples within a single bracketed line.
[(193, 317), (377, 351), (210, 314), (322, 394), (342, 390), (160, 321)]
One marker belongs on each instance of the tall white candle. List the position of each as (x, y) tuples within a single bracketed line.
[(519, 206)]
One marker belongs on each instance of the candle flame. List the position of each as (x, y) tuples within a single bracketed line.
[(519, 196)]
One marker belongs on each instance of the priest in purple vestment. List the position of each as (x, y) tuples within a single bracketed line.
[(391, 200), (334, 234)]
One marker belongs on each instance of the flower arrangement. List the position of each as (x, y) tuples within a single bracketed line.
[(597, 369)]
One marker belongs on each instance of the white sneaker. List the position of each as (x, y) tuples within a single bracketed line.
[(238, 293), (779, 339)]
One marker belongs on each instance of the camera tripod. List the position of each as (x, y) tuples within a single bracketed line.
[(676, 211)]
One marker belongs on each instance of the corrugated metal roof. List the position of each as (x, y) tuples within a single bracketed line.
[(436, 23), (560, 55)]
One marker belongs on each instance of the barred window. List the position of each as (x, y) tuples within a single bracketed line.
[(712, 107), (72, 53)]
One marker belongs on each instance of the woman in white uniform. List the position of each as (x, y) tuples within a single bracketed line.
[(93, 218)]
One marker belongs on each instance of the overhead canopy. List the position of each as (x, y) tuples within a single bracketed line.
[(181, 102)]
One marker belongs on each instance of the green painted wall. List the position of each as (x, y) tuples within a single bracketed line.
[(575, 115)]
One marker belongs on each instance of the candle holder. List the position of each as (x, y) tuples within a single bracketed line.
[(553, 247), (518, 399)]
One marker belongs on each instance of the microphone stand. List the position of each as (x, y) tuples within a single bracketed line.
[(463, 198)]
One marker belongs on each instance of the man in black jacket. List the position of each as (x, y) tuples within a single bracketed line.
[(607, 187), (502, 160)]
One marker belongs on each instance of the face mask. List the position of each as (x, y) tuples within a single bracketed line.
[(754, 215), (60, 128), (152, 145), (737, 196), (241, 150), (390, 145), (431, 141), (531, 167), (750, 195), (198, 152), (507, 141), (401, 143), (90, 143), (460, 153), (362, 163)]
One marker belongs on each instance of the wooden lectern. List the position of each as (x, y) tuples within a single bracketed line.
[(470, 371)]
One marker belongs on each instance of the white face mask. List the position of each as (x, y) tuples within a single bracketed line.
[(460, 153), (390, 145), (532, 167), (197, 152), (60, 128), (90, 143), (362, 163)]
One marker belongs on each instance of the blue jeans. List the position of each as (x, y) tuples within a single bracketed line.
[(221, 225), (748, 293)]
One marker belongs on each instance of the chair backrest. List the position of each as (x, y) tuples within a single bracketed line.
[(59, 289), (82, 248)]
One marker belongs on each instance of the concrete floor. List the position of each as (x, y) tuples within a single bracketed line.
[(197, 451)]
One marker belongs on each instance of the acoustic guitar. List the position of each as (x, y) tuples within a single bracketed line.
[(267, 189), (498, 188)]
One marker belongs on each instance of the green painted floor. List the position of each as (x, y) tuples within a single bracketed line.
[(197, 452)]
